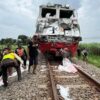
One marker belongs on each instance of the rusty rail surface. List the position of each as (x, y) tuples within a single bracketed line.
[(53, 85), (87, 75)]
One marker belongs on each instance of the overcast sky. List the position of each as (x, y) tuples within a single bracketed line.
[(19, 16)]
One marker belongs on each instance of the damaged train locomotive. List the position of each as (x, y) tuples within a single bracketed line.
[(58, 28)]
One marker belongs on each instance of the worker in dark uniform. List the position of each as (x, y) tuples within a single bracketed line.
[(1, 55), (84, 54), (79, 53), (33, 53), (9, 60)]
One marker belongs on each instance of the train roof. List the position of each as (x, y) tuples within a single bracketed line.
[(55, 6), (55, 11)]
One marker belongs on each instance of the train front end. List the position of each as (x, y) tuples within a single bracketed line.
[(58, 29)]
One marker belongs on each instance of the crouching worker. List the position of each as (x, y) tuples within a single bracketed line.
[(9, 60)]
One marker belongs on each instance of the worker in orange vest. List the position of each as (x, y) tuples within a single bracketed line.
[(20, 51)]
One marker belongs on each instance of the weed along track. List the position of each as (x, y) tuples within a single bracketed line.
[(74, 86)]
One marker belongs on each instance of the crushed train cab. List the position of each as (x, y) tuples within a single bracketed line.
[(58, 28)]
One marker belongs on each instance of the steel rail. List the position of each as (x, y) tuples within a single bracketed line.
[(87, 75), (53, 85)]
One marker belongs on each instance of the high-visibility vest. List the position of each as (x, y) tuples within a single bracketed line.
[(9, 56)]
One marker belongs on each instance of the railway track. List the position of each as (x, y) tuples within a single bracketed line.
[(77, 85), (47, 83)]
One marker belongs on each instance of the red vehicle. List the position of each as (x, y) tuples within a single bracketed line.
[(58, 28)]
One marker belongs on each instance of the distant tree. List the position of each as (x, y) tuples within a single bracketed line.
[(23, 39), (14, 41), (2, 41), (7, 41)]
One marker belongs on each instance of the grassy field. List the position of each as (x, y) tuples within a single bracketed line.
[(95, 60), (93, 53)]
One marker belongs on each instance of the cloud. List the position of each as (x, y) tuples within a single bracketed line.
[(11, 24), (12, 31), (20, 16), (17, 18), (89, 15)]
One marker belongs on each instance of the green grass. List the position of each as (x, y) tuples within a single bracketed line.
[(95, 60), (93, 52)]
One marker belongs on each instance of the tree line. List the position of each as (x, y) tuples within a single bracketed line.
[(22, 39)]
